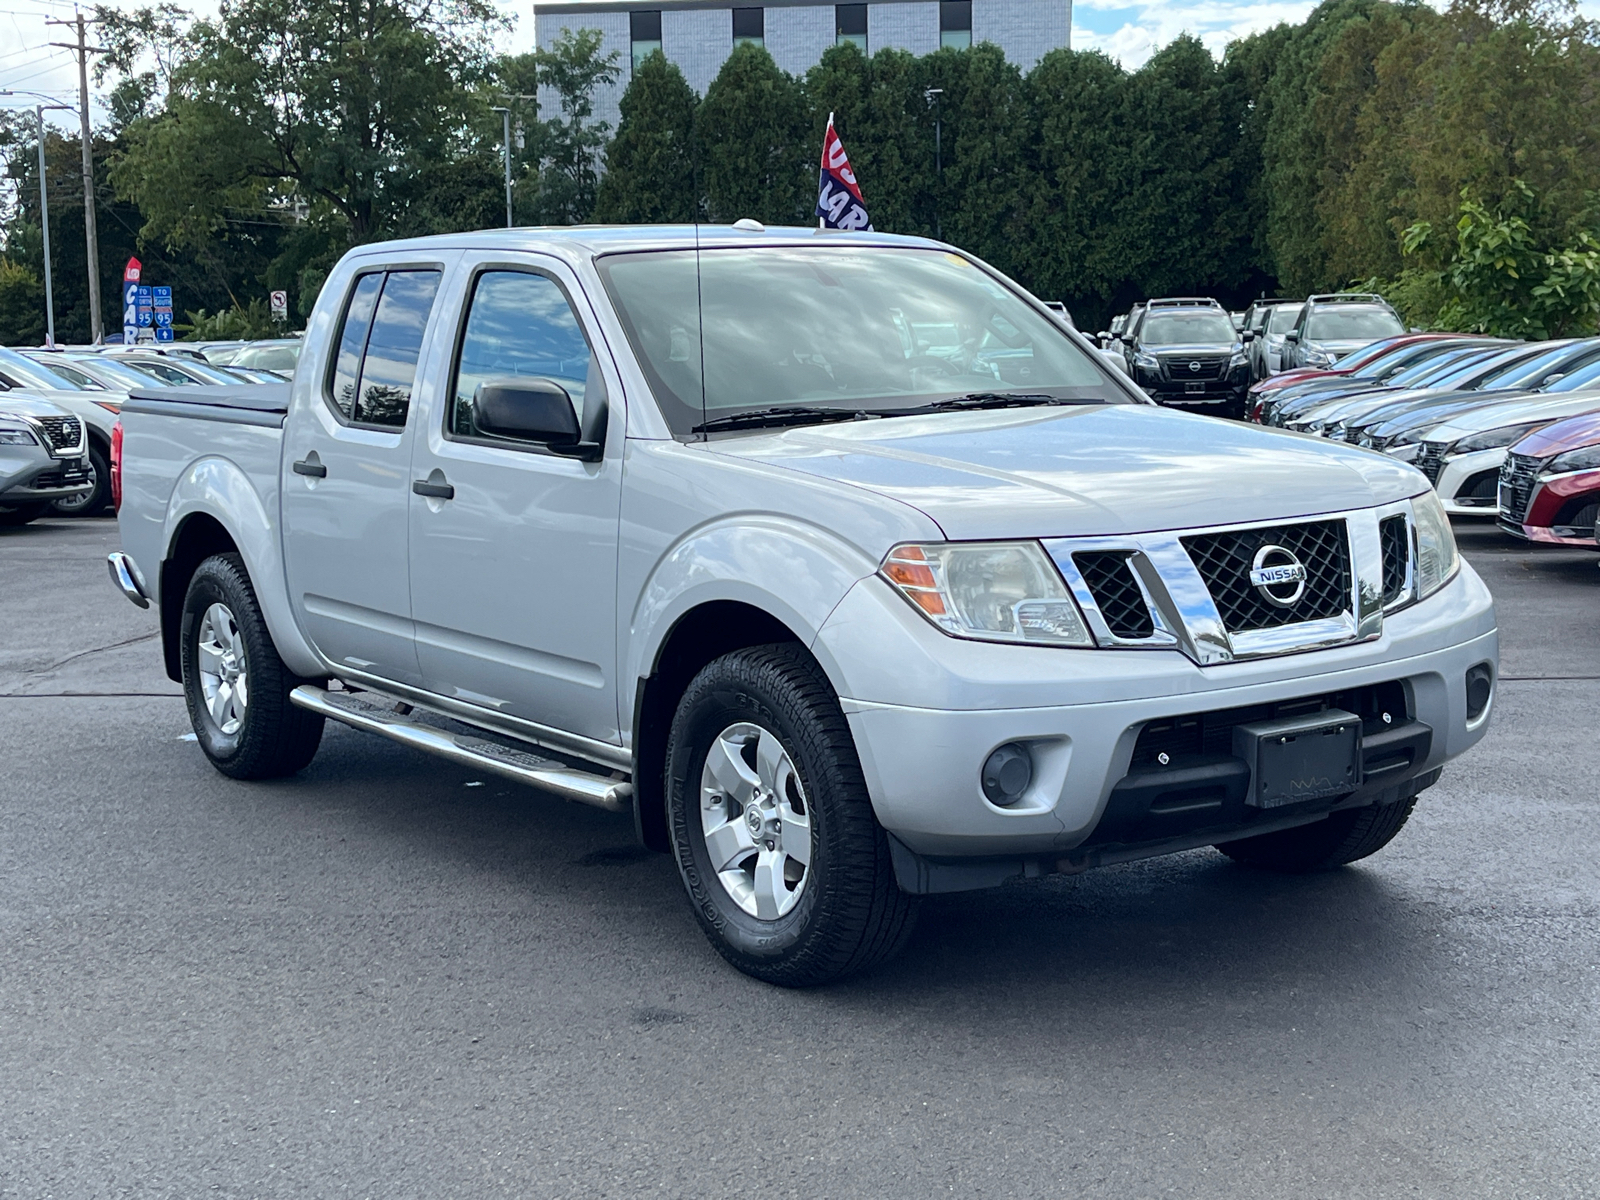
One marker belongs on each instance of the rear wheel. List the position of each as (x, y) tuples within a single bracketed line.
[(1342, 838), (236, 687), (21, 514), (786, 866)]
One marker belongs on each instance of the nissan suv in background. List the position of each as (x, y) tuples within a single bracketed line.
[(1269, 320), (1330, 327), (1187, 354)]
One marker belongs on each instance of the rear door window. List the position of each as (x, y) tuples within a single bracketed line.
[(380, 341)]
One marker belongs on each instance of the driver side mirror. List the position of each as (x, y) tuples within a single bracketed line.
[(1292, 336), (1247, 335), (531, 409)]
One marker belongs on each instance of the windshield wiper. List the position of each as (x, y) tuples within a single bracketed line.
[(996, 400), (789, 414)]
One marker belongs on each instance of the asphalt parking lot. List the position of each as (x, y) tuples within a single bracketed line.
[(387, 977)]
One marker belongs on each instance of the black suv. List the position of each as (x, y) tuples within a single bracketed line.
[(1185, 352)]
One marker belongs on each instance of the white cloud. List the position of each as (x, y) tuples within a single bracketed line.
[(1132, 32)]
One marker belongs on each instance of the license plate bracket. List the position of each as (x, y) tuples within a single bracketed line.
[(1194, 387), (1298, 759)]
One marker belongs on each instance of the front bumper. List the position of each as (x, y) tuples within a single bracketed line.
[(926, 710), (44, 480), (1552, 504), (1469, 484)]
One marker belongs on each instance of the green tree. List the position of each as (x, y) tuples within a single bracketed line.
[(331, 101), (21, 305), (753, 133), (650, 170), (1498, 278), (566, 149), (1082, 161)]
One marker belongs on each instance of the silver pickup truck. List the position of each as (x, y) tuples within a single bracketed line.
[(836, 560)]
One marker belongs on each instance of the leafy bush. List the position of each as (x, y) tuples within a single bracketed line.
[(21, 305), (248, 323)]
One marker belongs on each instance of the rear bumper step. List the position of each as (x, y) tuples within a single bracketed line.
[(601, 791)]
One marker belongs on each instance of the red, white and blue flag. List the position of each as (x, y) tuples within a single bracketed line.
[(839, 204)]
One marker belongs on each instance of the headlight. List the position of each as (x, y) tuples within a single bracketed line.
[(1147, 361), (1437, 558), (1586, 459), (993, 591), (17, 437), (1493, 439), (1412, 437), (1239, 359), (1404, 451), (1318, 358)]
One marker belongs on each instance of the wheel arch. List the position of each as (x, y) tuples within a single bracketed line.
[(700, 635), (197, 537)]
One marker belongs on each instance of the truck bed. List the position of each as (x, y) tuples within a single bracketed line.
[(262, 404)]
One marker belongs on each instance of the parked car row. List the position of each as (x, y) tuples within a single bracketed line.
[(1503, 429), (59, 407), (1192, 353)]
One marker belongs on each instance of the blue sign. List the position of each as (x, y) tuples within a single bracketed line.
[(145, 308), (163, 320), (164, 332), (162, 296)]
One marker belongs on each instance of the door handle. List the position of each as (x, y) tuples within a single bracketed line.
[(428, 487), (310, 466)]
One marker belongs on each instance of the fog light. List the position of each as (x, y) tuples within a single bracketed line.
[(1480, 686), (1006, 774)]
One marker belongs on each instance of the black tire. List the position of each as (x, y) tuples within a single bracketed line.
[(851, 914), (100, 472), (274, 738), (1343, 838), (21, 514)]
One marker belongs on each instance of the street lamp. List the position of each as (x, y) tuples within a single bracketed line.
[(505, 117), (931, 95), (44, 216)]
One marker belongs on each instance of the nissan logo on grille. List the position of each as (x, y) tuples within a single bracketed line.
[(1195, 365), (1278, 575)]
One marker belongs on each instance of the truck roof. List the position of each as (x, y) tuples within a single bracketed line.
[(590, 240)]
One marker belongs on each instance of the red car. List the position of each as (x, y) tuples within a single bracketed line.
[(1550, 483), (1348, 364)]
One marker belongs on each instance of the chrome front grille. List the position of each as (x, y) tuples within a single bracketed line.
[(1430, 460), (1517, 475), (1110, 579), (1394, 537), (1225, 562)]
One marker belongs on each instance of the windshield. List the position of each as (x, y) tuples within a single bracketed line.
[(1581, 379), (120, 374), (1180, 328), (273, 356), (1423, 374), (1349, 324), (1529, 367), (1283, 317), (826, 327), (72, 374), (1391, 363), (21, 372)]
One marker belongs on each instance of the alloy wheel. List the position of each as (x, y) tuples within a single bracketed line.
[(755, 820)]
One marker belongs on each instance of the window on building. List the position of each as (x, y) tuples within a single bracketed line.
[(645, 30), (749, 26), (955, 24), (852, 25)]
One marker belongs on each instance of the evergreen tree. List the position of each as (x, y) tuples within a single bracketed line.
[(985, 191), (753, 134), (650, 168)]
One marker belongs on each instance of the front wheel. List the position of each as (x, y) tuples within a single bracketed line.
[(236, 687), (93, 502), (772, 828)]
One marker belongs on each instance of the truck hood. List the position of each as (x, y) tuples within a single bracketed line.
[(1101, 470)]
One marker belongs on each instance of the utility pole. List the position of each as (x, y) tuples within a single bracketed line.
[(91, 239), (44, 223)]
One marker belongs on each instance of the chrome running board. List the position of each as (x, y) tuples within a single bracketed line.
[(570, 783)]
